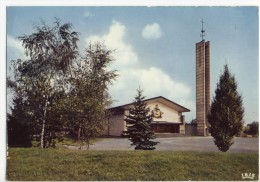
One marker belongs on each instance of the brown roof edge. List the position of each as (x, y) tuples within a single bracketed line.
[(153, 98)]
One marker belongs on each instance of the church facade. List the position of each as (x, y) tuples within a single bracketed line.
[(167, 115)]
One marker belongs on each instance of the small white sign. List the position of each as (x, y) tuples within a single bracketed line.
[(248, 175)]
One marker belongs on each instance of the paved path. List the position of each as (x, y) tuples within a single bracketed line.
[(205, 144)]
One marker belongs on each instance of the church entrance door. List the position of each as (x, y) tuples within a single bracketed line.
[(166, 128)]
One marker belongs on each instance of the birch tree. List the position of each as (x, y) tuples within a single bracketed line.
[(88, 98), (38, 79), (60, 90)]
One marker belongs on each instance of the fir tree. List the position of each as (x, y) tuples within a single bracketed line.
[(226, 112), (139, 119), (19, 127)]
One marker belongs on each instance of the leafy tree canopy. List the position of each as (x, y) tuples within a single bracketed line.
[(252, 128), (56, 90)]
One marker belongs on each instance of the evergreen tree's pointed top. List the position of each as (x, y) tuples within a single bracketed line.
[(140, 88), (227, 80), (139, 95), (226, 70), (139, 91), (226, 67)]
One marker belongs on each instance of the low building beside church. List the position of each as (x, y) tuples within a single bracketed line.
[(167, 117)]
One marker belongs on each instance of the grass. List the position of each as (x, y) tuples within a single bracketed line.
[(72, 165), (73, 142), (67, 141)]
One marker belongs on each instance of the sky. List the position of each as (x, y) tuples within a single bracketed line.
[(154, 47)]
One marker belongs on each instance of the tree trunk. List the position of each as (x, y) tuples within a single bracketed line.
[(87, 142), (42, 133), (79, 137), (79, 131), (44, 123)]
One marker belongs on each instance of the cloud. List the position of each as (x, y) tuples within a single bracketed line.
[(9, 101), (114, 40), (152, 31), (87, 14), (15, 48), (133, 74), (153, 81)]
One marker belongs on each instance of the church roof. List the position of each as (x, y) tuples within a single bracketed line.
[(159, 99)]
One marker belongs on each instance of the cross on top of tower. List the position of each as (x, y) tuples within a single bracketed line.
[(202, 35)]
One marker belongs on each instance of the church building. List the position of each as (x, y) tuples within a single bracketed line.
[(167, 117)]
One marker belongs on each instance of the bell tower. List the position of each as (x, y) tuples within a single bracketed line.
[(202, 84)]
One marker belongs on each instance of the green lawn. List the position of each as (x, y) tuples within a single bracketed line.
[(71, 165)]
